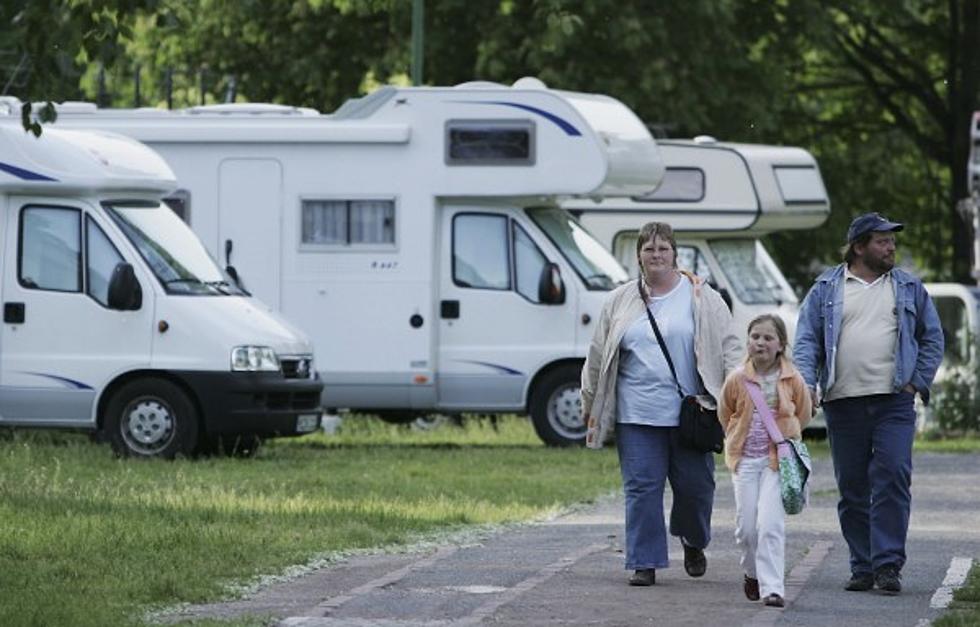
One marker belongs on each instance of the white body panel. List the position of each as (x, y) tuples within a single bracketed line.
[(720, 198), (61, 347), (380, 314)]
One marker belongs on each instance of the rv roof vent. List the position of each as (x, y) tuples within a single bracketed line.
[(252, 108), (705, 139), (478, 85), (72, 106), (529, 82)]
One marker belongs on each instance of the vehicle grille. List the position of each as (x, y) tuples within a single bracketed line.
[(297, 366)]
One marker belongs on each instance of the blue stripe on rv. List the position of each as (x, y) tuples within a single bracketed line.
[(561, 123), (78, 385), (21, 173)]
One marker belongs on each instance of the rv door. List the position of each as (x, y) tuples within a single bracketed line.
[(505, 309), (62, 339)]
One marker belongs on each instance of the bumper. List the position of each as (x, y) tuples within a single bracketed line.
[(255, 403)]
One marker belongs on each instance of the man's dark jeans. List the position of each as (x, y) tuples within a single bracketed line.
[(871, 445)]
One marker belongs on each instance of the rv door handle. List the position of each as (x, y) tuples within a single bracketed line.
[(449, 309), (13, 313)]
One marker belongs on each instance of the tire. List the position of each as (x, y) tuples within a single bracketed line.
[(151, 418), (398, 417), (556, 407)]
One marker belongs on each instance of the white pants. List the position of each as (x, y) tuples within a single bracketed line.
[(760, 524)]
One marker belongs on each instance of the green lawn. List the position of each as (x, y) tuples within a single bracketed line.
[(88, 539), (965, 609), (93, 540)]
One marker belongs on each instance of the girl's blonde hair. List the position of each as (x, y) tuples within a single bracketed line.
[(777, 324)]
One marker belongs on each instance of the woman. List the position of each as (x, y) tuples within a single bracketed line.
[(627, 388), (750, 453)]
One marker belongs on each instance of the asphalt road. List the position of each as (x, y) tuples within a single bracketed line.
[(569, 571)]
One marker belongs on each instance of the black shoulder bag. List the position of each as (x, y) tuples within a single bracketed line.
[(699, 428)]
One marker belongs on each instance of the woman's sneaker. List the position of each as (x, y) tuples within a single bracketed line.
[(643, 577)]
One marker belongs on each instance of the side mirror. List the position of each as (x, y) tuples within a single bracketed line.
[(124, 290), (551, 289)]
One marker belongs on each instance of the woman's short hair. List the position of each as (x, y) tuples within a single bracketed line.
[(777, 323), (652, 230)]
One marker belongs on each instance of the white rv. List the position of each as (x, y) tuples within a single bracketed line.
[(415, 234), (116, 319), (720, 198)]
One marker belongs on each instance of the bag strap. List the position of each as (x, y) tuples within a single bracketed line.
[(755, 393), (660, 338)]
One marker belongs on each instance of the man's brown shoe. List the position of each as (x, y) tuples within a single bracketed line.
[(774, 600), (751, 588), (643, 577)]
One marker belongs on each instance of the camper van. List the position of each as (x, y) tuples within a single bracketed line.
[(958, 307), (720, 198), (415, 234), (116, 320)]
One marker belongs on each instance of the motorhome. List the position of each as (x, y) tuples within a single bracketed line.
[(416, 234), (958, 307), (720, 198), (116, 320)]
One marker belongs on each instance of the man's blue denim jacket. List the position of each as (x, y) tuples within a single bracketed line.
[(920, 336)]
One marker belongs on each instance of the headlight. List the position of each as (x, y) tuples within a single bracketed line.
[(254, 359)]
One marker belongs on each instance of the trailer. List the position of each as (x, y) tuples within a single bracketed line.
[(415, 234), (115, 319), (720, 198)]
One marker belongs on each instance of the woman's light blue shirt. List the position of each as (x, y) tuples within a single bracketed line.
[(645, 390)]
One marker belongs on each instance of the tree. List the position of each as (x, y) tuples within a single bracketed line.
[(898, 81)]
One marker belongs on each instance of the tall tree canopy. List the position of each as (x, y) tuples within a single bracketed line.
[(881, 93)]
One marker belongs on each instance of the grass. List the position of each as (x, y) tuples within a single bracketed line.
[(89, 539), (965, 609)]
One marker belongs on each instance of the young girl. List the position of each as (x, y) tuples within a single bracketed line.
[(751, 454)]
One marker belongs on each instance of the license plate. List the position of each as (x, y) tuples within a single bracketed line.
[(307, 422)]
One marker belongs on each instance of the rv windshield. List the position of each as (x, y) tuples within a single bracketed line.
[(594, 264), (752, 272), (171, 250)]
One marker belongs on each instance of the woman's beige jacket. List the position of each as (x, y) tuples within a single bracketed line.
[(717, 351)]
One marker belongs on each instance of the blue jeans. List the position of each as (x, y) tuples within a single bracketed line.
[(648, 457), (871, 445)]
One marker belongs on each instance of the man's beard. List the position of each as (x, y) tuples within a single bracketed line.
[(880, 265)]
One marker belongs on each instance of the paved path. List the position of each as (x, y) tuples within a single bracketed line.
[(569, 571)]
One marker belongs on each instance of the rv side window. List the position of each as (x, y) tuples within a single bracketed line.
[(489, 142), (480, 253), (678, 185), (51, 249), (956, 328), (180, 203), (348, 222), (529, 261), (101, 260), (800, 184)]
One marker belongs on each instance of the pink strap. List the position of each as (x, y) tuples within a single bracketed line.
[(755, 393)]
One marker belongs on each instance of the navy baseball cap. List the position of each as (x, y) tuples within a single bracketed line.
[(871, 222)]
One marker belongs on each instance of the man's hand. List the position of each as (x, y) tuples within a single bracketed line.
[(910, 389)]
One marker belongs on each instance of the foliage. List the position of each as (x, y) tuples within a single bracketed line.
[(881, 93), (81, 525), (956, 400)]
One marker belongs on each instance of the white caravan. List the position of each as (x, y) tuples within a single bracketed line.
[(720, 198), (115, 318), (415, 234)]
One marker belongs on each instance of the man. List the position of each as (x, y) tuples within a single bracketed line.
[(869, 335)]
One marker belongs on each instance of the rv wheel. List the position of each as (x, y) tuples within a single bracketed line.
[(151, 418), (556, 407)]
